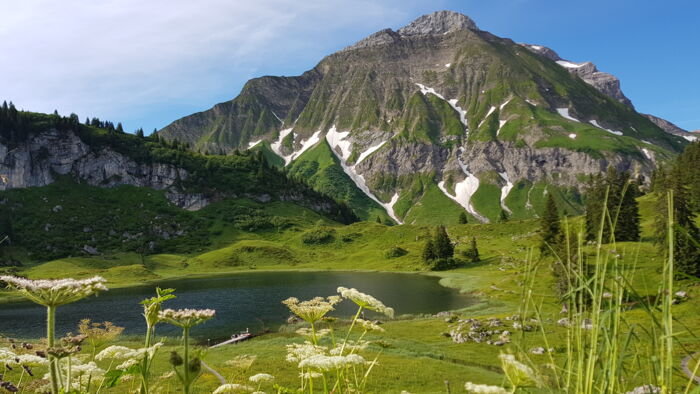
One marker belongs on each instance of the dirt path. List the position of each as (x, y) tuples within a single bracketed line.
[(686, 368), (213, 372)]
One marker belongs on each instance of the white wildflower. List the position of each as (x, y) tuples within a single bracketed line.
[(297, 352), (113, 352), (365, 301), (52, 293), (484, 389), (519, 374), (369, 325), (186, 318), (351, 346), (310, 375), (130, 357), (312, 310), (232, 388), (261, 377), (307, 332), (31, 360), (322, 362)]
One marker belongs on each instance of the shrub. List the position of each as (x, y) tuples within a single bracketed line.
[(443, 264), (394, 252), (318, 236)]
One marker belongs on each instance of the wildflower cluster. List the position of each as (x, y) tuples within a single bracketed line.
[(130, 357), (56, 292), (312, 310), (365, 301), (186, 318)]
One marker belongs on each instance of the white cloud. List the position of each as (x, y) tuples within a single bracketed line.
[(152, 61)]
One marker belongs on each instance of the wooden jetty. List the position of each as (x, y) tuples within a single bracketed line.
[(235, 338)]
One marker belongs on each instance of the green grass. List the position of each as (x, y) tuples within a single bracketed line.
[(415, 356)]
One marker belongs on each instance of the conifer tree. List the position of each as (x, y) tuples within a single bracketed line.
[(686, 235), (550, 231), (503, 216), (442, 244), (462, 218), (428, 251), (473, 252)]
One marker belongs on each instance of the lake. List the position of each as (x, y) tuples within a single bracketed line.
[(242, 301)]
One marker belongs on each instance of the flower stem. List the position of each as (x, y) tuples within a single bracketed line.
[(186, 334), (50, 339), (144, 364)]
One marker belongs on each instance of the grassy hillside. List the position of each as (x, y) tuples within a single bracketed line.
[(413, 352)]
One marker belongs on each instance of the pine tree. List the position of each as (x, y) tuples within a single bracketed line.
[(462, 218), (473, 252), (379, 220), (428, 251), (503, 216), (627, 227), (550, 232), (686, 233), (120, 129), (443, 245)]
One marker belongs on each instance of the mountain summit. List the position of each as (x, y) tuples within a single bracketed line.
[(440, 22), (437, 118)]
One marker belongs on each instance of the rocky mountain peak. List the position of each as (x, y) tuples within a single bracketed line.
[(440, 22)]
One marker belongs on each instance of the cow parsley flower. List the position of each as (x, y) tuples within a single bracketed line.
[(186, 318), (307, 332), (369, 325), (232, 388), (261, 378), (312, 310), (298, 352), (365, 301), (55, 292), (352, 346), (484, 389), (130, 357), (310, 375), (519, 374), (321, 362)]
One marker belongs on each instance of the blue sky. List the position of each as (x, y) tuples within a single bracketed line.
[(148, 63)]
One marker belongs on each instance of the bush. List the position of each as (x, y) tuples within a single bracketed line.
[(444, 264), (318, 236), (394, 252)]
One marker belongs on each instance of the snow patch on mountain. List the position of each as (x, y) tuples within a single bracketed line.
[(595, 123), (568, 64), (505, 190), (565, 113), (465, 190), (690, 138), (278, 118), (277, 145), (453, 102), (487, 115), (647, 154), (253, 143), (572, 136), (337, 139), (500, 126), (369, 151)]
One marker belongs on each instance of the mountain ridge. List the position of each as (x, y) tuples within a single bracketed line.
[(439, 102)]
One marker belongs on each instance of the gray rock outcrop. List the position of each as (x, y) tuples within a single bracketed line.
[(37, 161)]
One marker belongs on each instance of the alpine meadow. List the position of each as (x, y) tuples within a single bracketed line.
[(432, 209)]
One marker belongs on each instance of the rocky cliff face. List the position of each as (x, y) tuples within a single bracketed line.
[(37, 162), (607, 84), (438, 103)]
